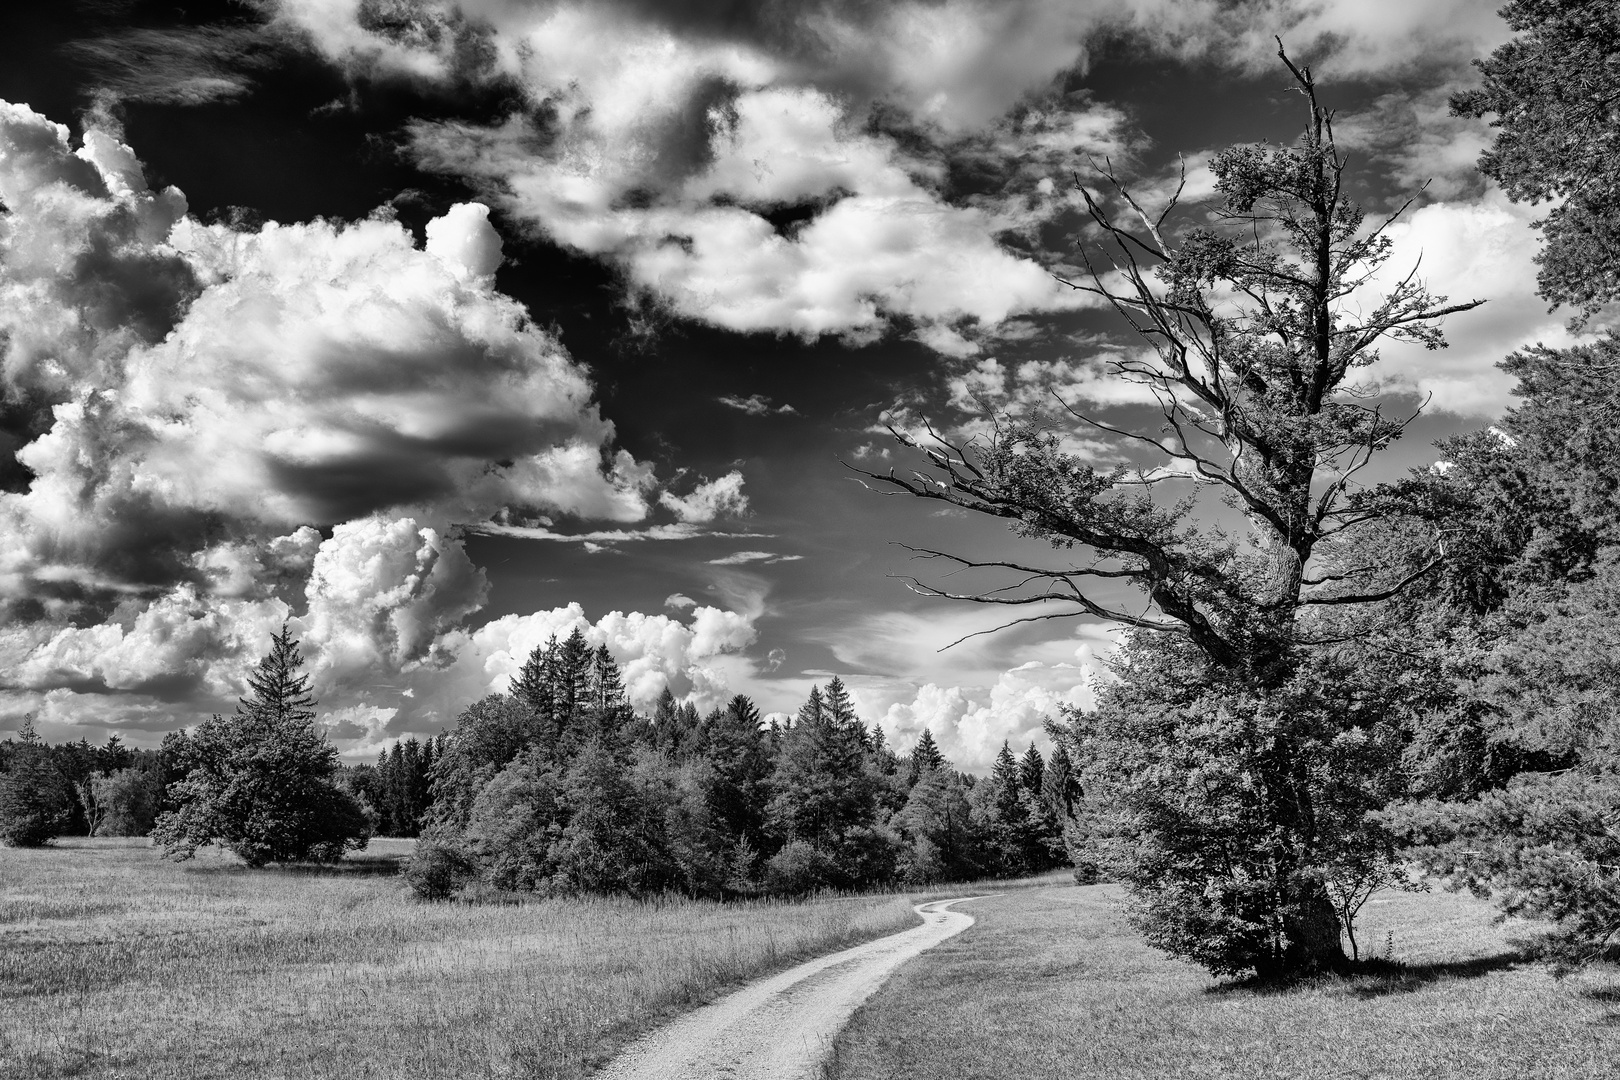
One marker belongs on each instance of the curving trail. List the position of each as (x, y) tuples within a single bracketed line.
[(779, 1028)]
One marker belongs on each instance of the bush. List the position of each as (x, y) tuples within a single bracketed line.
[(438, 869), (800, 867)]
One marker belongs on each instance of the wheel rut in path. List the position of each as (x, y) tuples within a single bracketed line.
[(781, 1028)]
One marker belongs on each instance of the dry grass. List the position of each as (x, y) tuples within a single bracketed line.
[(1051, 983), (114, 963)]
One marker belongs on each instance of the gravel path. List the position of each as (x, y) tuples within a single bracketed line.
[(779, 1028)]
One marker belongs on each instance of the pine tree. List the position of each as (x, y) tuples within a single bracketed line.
[(1031, 772), (814, 709), (1010, 826), (263, 782), (1059, 786), (666, 724), (279, 692), (738, 754), (926, 757), (36, 802), (608, 704), (532, 685), (838, 704), (825, 800)]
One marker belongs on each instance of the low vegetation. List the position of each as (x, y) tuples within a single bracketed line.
[(1052, 983), (114, 963)]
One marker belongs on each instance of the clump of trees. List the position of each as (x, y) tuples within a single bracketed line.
[(262, 783), (559, 787), (396, 791), (76, 789)]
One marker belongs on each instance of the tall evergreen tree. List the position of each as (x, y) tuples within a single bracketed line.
[(926, 757), (1032, 772), (736, 788), (36, 800), (533, 684), (839, 706), (263, 782)]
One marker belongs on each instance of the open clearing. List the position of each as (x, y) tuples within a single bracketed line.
[(1051, 983), (116, 964)]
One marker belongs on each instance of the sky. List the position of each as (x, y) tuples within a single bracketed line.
[(434, 328)]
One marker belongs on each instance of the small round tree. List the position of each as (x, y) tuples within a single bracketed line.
[(262, 782)]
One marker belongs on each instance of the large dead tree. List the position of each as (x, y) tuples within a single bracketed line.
[(1256, 324)]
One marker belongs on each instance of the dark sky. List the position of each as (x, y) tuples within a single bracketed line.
[(736, 233)]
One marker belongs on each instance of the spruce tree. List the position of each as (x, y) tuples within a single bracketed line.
[(1010, 828), (1032, 772), (263, 782), (532, 685), (735, 791), (825, 800), (926, 757), (36, 802)]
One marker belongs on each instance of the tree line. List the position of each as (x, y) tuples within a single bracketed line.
[(560, 787)]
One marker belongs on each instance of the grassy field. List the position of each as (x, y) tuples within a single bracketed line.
[(114, 963), (1051, 983)]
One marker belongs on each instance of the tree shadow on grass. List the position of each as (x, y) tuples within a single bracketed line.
[(1377, 977), (351, 866)]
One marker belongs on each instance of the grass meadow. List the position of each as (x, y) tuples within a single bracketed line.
[(117, 964), (1051, 983)]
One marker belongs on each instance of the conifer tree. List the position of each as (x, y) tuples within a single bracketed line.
[(824, 799), (532, 685), (925, 757), (814, 709), (262, 782), (666, 724), (1032, 772), (36, 803), (1059, 786), (609, 706), (735, 747), (838, 704)]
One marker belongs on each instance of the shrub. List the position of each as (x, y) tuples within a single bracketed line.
[(800, 867), (438, 869)]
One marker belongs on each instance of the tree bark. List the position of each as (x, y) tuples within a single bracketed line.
[(1313, 931)]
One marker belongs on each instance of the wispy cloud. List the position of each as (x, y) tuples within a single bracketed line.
[(679, 530), (763, 558), (181, 65), (756, 405)]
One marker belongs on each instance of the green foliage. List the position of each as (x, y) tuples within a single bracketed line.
[(1552, 91), (36, 802), (127, 801), (943, 839), (263, 782), (1242, 819), (1544, 847), (437, 870), (720, 806), (397, 790), (925, 757)]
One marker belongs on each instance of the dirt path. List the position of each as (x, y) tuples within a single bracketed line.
[(780, 1028)]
